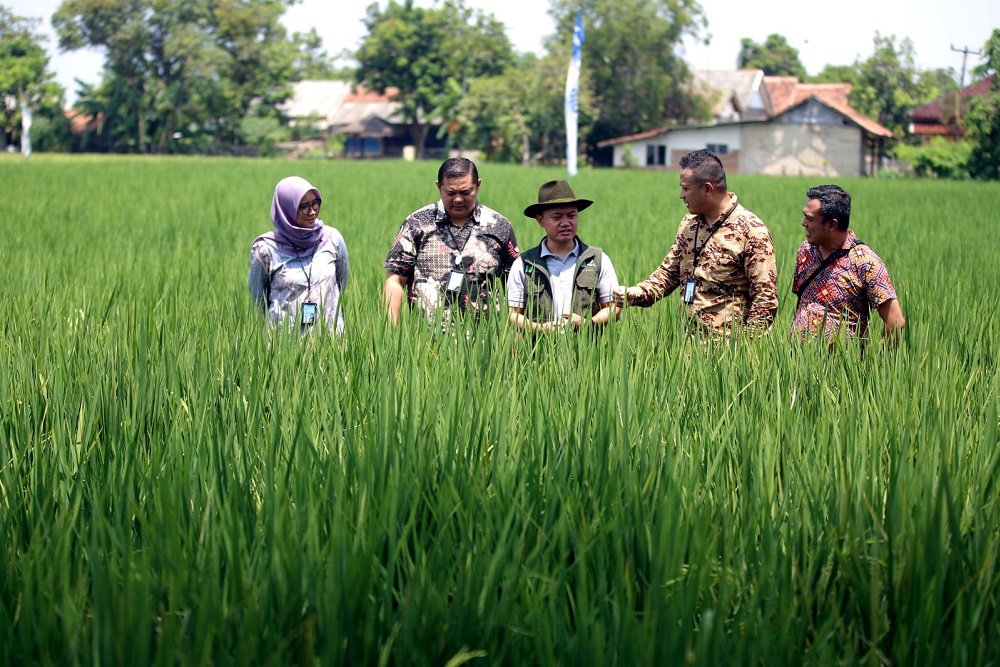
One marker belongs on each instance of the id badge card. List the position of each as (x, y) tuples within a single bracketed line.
[(455, 279), (689, 286), (309, 310)]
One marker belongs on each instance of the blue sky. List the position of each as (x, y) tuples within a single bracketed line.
[(838, 34)]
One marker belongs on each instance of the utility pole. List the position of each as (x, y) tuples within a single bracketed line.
[(965, 55), (961, 83)]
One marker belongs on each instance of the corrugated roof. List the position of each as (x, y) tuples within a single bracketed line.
[(341, 106), (356, 112), (315, 99), (721, 87)]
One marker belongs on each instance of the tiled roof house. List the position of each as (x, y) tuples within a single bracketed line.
[(938, 118), (369, 121), (766, 125)]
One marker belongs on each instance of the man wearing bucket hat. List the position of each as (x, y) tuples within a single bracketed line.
[(562, 281), (722, 258)]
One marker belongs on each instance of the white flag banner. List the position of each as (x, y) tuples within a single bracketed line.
[(573, 95), (25, 130)]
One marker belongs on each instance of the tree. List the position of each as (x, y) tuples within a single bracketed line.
[(518, 116), (836, 74), (940, 157), (775, 56), (311, 61), (888, 84), (636, 78), (175, 67), (982, 121), (426, 54), (25, 77)]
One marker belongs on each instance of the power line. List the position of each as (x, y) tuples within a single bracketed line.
[(965, 56), (961, 84)]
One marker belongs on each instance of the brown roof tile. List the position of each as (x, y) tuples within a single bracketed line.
[(837, 92), (649, 134), (932, 111), (780, 92), (851, 114), (365, 96)]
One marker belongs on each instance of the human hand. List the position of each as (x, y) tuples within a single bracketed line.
[(622, 295)]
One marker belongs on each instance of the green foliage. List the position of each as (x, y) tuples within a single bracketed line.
[(836, 74), (50, 133), (939, 157), (180, 486), (982, 120), (25, 78), (311, 61), (888, 84), (636, 79), (264, 132), (519, 116), (185, 73), (427, 54), (938, 82), (775, 57)]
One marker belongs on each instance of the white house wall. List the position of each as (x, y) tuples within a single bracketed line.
[(810, 140), (801, 150), (678, 142)]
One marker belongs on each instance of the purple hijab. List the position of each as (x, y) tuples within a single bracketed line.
[(284, 212)]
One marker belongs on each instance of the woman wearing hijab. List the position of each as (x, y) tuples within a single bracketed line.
[(298, 271)]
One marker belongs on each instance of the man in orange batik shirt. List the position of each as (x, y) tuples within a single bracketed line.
[(839, 279)]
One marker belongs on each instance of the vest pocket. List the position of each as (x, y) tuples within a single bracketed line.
[(535, 286), (587, 279)]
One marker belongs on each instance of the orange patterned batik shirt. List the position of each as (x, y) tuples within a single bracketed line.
[(841, 297)]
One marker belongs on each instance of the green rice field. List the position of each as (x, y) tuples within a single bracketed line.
[(180, 486)]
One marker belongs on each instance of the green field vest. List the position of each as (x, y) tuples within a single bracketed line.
[(538, 304)]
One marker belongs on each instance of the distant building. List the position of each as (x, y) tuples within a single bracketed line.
[(941, 117), (370, 122), (765, 125)]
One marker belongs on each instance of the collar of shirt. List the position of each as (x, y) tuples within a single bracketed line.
[(726, 214), (572, 253), (441, 216), (848, 244)]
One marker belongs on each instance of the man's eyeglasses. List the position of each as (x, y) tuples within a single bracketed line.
[(314, 205)]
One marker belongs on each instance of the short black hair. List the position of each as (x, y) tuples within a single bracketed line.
[(706, 167), (457, 167), (834, 204)]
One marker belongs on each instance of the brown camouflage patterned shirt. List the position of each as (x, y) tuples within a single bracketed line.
[(737, 277)]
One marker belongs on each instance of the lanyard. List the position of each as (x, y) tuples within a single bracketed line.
[(308, 272), (715, 228), (454, 241)]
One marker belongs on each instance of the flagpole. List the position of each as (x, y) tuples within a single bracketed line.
[(25, 129), (573, 95)]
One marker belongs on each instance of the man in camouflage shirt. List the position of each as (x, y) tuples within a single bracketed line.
[(722, 258), (454, 254)]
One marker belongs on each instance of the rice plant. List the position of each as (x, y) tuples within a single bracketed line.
[(178, 485)]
